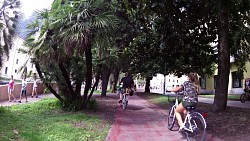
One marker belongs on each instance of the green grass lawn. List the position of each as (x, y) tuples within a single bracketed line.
[(44, 121), (230, 96), (160, 100)]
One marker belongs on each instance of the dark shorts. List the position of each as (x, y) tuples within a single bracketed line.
[(188, 104), (125, 90), (23, 92)]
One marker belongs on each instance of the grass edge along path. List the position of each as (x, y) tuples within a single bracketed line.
[(235, 97), (43, 120)]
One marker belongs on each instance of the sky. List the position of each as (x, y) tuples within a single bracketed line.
[(29, 6)]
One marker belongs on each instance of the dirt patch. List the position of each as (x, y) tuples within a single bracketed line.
[(106, 107), (230, 125)]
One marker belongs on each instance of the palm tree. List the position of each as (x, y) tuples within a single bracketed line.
[(67, 34), (9, 16)]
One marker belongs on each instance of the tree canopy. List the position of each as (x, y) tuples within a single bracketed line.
[(84, 39)]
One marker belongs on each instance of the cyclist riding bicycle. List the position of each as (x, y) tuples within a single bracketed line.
[(127, 85), (190, 98)]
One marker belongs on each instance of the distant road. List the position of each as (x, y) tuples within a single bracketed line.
[(231, 103)]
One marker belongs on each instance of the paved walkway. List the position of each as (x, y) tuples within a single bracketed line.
[(144, 121), (40, 96), (230, 103)]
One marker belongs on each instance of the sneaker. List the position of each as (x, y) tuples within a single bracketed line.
[(31, 96), (9, 100), (36, 96), (120, 101), (19, 101)]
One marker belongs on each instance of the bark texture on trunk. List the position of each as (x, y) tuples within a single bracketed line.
[(116, 77), (147, 86), (221, 91), (88, 55), (105, 81), (66, 77), (38, 69)]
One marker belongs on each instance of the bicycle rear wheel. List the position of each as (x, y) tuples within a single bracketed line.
[(243, 98), (198, 124), (171, 118), (124, 103)]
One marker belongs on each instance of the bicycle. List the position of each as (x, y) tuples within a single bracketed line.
[(124, 101), (194, 123), (245, 96)]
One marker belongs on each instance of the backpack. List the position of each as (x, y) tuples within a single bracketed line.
[(131, 93)]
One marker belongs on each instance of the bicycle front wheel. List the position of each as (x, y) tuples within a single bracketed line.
[(243, 98), (171, 118), (198, 126)]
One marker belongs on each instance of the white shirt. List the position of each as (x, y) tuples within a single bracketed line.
[(35, 83), (24, 84)]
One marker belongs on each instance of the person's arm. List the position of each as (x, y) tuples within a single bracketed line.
[(132, 83), (13, 85)]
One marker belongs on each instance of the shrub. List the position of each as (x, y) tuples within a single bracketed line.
[(92, 104)]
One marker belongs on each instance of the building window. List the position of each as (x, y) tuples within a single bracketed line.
[(6, 70), (168, 80), (215, 80), (31, 65), (16, 61), (236, 77), (15, 71), (203, 83)]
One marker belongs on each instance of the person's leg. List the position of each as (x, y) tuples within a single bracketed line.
[(120, 96), (25, 93), (32, 94), (20, 97), (179, 109), (36, 93), (9, 94)]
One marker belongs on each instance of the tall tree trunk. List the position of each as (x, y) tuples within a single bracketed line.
[(105, 80), (66, 78), (38, 69), (88, 55), (147, 86), (116, 76), (78, 87), (97, 78), (221, 90)]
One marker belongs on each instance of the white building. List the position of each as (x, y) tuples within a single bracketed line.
[(171, 81), (16, 60)]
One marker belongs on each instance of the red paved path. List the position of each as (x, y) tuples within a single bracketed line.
[(143, 121)]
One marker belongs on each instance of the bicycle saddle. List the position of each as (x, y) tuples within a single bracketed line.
[(190, 108)]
